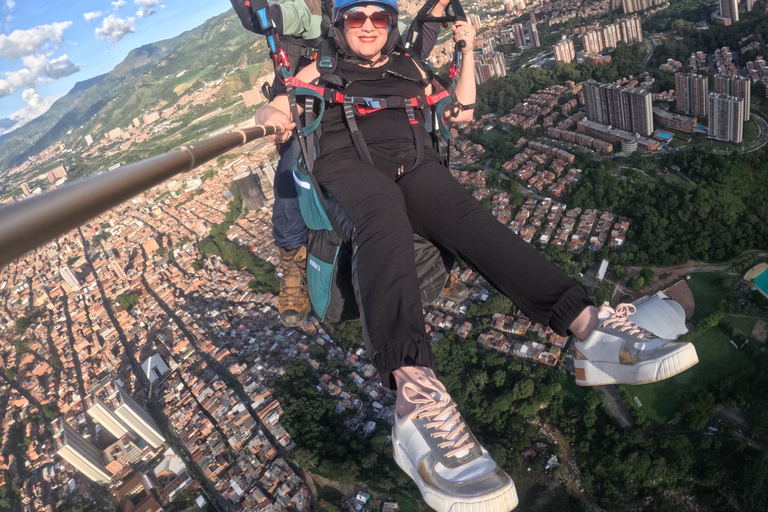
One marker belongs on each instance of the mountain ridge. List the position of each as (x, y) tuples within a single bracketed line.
[(148, 73)]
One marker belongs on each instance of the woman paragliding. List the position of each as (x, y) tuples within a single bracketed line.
[(374, 156)]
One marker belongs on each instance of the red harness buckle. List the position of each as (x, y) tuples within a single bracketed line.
[(435, 98), (364, 111)]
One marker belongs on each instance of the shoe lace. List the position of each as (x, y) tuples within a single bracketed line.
[(619, 320), (446, 423), (293, 280)]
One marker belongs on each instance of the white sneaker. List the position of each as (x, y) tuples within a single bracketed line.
[(434, 446), (621, 352)]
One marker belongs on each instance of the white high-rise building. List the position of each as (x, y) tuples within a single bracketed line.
[(69, 277), (78, 452), (105, 416), (136, 417)]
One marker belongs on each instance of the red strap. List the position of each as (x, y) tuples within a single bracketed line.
[(435, 98), (295, 82), (363, 110)]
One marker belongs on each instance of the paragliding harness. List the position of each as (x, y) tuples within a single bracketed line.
[(329, 269)]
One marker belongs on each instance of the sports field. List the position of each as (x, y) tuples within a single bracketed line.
[(707, 293), (718, 358)]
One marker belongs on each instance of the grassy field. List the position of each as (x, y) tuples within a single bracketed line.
[(751, 132), (707, 292), (718, 359), (742, 324), (679, 141)]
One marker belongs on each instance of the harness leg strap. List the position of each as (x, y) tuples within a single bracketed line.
[(418, 135), (357, 136)]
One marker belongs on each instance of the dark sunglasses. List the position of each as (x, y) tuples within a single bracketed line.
[(379, 19)]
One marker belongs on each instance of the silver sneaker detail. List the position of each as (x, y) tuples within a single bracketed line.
[(434, 446), (620, 352)]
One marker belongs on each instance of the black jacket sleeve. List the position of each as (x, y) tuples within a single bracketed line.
[(426, 40)]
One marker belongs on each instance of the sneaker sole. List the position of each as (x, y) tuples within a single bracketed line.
[(503, 500), (644, 372)]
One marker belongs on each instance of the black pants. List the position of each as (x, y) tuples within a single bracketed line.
[(386, 210)]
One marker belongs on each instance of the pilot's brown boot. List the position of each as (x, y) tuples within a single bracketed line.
[(293, 303)]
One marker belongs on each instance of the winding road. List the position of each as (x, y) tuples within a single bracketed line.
[(761, 141)]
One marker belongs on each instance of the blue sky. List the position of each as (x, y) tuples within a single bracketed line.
[(46, 46)]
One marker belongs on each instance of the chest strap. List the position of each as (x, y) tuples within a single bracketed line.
[(366, 104)]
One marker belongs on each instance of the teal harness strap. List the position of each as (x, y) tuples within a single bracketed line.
[(309, 130)]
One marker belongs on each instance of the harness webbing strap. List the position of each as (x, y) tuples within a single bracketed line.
[(418, 138), (302, 91), (308, 160), (411, 115), (357, 136), (366, 104), (309, 115)]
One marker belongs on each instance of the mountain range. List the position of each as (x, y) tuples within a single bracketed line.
[(152, 73)]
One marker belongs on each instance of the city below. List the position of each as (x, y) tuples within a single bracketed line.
[(144, 367)]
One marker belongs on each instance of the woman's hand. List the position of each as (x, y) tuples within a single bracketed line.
[(269, 115), (463, 31)]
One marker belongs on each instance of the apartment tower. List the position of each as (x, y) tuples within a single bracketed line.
[(692, 93), (726, 118), (730, 9), (78, 452), (626, 109), (136, 417), (105, 416), (533, 32), (564, 51), (519, 34), (734, 85), (628, 30)]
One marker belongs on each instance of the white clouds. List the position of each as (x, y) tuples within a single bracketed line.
[(16, 80), (54, 69), (119, 4), (22, 43), (91, 15), (36, 106), (146, 7), (9, 5), (114, 28), (32, 98), (37, 66)]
